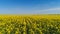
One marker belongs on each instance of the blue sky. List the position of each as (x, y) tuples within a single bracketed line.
[(29, 6)]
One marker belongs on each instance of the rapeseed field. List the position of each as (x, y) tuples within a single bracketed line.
[(33, 24)]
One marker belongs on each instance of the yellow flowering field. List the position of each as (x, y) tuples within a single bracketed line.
[(29, 24)]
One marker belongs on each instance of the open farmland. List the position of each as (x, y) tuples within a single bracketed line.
[(33, 24)]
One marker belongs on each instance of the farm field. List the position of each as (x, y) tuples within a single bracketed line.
[(29, 24)]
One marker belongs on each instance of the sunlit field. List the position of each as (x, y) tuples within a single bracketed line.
[(29, 24)]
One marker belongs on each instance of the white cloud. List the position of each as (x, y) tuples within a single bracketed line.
[(48, 11), (52, 9)]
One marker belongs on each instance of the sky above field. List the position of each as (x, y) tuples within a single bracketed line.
[(29, 6)]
